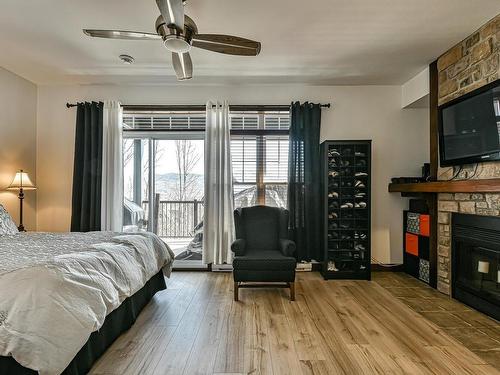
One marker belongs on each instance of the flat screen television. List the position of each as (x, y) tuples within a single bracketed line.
[(469, 127)]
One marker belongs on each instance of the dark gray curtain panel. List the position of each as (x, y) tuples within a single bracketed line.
[(87, 170), (304, 194)]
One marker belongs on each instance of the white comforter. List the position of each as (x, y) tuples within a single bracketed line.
[(51, 303)]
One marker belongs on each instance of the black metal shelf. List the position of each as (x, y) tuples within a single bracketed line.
[(346, 262)]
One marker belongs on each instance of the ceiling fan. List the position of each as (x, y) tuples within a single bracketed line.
[(179, 33)]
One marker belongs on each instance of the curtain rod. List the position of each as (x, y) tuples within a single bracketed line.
[(202, 107)]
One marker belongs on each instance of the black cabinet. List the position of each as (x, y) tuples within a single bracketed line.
[(346, 189)]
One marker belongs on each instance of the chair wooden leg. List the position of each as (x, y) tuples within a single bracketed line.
[(236, 291), (292, 291)]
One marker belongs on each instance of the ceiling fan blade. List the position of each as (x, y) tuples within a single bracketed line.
[(119, 34), (231, 45), (172, 12), (183, 65)]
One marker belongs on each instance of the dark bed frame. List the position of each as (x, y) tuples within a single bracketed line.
[(117, 322)]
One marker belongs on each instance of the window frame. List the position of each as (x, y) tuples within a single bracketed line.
[(260, 133), (261, 111)]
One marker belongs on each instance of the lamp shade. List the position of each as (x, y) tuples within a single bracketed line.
[(21, 181)]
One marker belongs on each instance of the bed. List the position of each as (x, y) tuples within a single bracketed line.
[(64, 298)]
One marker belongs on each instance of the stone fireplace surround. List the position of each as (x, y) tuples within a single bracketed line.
[(478, 204), (470, 64)]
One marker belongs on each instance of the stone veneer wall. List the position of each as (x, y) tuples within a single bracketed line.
[(470, 64)]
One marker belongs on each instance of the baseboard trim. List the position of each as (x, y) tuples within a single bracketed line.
[(316, 267)]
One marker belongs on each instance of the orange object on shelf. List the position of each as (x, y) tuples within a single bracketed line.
[(412, 244), (425, 225)]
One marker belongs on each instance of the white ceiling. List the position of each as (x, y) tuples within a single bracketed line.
[(310, 42)]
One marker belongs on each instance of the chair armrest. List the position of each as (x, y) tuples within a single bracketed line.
[(287, 247), (238, 246)]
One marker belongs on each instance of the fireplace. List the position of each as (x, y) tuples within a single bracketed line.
[(476, 262)]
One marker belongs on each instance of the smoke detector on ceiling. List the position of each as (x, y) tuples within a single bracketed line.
[(127, 59)]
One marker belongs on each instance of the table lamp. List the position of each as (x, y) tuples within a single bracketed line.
[(21, 182)]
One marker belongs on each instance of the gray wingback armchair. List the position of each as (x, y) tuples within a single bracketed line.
[(262, 250)]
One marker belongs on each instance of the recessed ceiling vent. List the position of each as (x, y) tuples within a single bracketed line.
[(127, 59)]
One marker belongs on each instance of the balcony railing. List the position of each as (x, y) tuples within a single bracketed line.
[(175, 219)]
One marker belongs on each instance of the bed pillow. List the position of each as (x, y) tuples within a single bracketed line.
[(7, 225)]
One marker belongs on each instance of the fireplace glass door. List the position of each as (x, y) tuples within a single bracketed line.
[(477, 270), (476, 262)]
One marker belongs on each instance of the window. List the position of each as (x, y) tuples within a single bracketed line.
[(163, 152), (259, 151), (259, 147), (136, 121)]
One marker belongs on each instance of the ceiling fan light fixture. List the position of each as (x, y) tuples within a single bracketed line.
[(176, 43), (179, 33)]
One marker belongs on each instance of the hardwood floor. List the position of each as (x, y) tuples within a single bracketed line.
[(333, 327), (477, 332)]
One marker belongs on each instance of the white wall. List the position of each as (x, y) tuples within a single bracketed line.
[(416, 90), (17, 141), (400, 139)]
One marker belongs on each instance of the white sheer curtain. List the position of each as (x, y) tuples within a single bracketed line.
[(112, 168), (218, 222)]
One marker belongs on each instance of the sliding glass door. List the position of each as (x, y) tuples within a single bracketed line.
[(164, 172), (164, 187), (178, 191)]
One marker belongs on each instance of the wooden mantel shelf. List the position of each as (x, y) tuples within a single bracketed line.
[(459, 186)]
